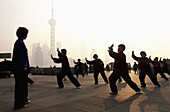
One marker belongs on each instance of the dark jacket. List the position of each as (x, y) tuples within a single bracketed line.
[(97, 64), (20, 56), (120, 66)]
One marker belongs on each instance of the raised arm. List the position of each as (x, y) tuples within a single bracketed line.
[(134, 57), (56, 60), (88, 62), (111, 52), (151, 60)]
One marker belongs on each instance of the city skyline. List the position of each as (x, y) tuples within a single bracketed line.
[(140, 25)]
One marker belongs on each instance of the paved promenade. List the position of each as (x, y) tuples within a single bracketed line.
[(46, 97)]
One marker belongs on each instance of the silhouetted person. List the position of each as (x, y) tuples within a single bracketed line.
[(144, 67), (65, 70), (21, 69), (135, 67), (157, 68), (129, 67), (79, 69), (98, 68), (120, 69), (107, 68), (165, 66), (86, 68)]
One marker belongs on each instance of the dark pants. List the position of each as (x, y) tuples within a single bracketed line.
[(165, 70), (21, 88), (114, 77), (161, 73), (152, 77), (69, 74), (96, 74), (79, 71)]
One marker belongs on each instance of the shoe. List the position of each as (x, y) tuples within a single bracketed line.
[(24, 106), (140, 92), (28, 101), (113, 93), (79, 87), (60, 87), (95, 83)]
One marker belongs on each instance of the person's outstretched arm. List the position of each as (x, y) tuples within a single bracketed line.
[(88, 62), (56, 60), (111, 52), (134, 57)]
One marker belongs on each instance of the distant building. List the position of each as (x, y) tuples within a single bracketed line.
[(38, 56)]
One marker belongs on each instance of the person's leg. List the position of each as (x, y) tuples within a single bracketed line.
[(20, 92), (112, 81), (142, 78), (60, 77), (167, 71), (81, 71), (120, 79), (77, 74), (153, 78), (104, 76), (73, 79), (96, 77), (163, 75), (128, 80)]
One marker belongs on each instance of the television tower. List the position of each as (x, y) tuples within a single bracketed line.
[(52, 23)]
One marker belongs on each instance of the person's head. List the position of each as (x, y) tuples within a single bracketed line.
[(156, 59), (64, 51), (121, 48), (79, 60), (164, 60), (143, 54), (22, 33), (95, 56)]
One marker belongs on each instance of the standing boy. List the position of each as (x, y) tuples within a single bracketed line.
[(144, 67), (98, 68), (120, 69), (21, 70), (66, 70)]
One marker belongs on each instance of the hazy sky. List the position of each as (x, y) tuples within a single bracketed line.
[(139, 24)]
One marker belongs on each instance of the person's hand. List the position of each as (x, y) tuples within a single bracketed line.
[(111, 47), (51, 56), (132, 52), (25, 69), (57, 49)]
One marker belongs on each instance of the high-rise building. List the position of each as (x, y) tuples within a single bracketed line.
[(52, 23)]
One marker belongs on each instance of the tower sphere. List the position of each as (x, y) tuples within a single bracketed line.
[(52, 21)]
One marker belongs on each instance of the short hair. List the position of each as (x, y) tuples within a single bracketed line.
[(143, 52), (79, 59), (64, 51), (122, 46), (21, 32), (95, 55)]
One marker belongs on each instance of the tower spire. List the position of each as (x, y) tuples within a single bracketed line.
[(52, 23)]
